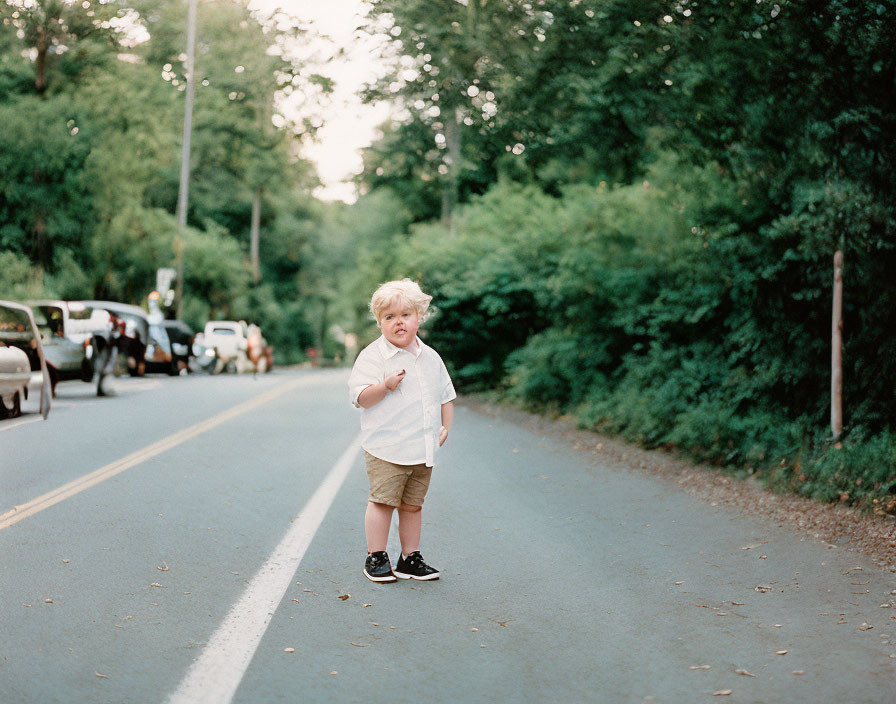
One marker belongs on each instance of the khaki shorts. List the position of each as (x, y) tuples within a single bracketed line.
[(396, 484)]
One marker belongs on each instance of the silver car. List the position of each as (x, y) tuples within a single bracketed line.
[(22, 360), (67, 328)]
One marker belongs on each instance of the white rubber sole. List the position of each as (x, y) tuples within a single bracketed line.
[(381, 580), (428, 578)]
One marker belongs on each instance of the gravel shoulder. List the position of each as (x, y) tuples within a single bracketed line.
[(837, 526)]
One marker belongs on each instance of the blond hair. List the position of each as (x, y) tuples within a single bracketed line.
[(407, 292)]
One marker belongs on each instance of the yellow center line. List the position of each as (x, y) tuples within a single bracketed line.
[(66, 491)]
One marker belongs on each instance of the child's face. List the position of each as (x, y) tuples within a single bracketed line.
[(399, 324)]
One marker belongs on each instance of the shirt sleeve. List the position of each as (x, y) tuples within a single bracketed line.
[(366, 371), (448, 393)]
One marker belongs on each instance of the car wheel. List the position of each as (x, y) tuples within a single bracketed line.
[(16, 409)]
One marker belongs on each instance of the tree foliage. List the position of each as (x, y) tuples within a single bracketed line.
[(653, 202), (91, 99)]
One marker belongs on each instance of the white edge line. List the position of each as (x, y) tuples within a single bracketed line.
[(16, 424), (216, 675)]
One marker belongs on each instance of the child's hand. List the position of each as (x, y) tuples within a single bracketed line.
[(443, 435), (393, 381)]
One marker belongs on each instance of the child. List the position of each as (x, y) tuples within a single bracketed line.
[(405, 396)]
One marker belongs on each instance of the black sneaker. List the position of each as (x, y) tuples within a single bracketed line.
[(377, 567), (413, 567)]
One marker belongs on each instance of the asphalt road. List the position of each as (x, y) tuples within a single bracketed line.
[(201, 539)]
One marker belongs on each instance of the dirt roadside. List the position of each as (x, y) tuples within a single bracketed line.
[(837, 526)]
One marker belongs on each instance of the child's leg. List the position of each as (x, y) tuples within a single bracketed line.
[(410, 522), (376, 525)]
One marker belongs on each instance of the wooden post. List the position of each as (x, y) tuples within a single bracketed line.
[(837, 349)]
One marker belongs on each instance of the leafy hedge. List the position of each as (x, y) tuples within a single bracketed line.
[(646, 311)]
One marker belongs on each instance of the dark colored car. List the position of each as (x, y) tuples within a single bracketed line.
[(131, 335), (170, 347), (21, 358)]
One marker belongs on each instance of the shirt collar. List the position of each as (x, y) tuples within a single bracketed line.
[(390, 350)]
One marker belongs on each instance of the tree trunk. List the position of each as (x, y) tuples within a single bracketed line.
[(40, 65), (837, 349), (254, 235)]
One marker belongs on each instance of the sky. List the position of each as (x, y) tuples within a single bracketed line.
[(349, 125)]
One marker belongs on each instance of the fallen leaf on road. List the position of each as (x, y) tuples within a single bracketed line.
[(65, 562), (155, 584), (861, 584), (865, 627), (374, 623), (358, 645), (735, 603), (474, 630), (345, 596), (722, 693), (700, 667), (744, 672), (750, 547), (48, 601), (163, 567), (854, 569), (780, 652), (296, 601), (366, 605), (100, 674), (679, 582), (762, 589), (334, 672), (289, 650), (799, 672), (117, 626)]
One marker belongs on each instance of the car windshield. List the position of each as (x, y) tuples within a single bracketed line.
[(49, 320), (15, 325), (223, 331)]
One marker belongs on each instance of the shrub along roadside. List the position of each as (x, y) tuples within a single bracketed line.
[(647, 312)]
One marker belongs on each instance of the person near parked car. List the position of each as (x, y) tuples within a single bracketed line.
[(406, 399), (107, 355)]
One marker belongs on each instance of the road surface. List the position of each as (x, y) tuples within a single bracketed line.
[(200, 539)]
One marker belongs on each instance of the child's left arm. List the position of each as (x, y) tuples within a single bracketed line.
[(447, 418)]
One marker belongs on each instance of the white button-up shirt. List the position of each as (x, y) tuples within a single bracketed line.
[(403, 428)]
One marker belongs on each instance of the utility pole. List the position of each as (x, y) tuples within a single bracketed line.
[(254, 235), (184, 192)]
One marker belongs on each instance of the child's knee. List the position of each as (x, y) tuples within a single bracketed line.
[(409, 508)]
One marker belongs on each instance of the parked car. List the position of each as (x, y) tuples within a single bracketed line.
[(21, 360), (239, 347), (229, 339), (170, 347), (67, 329), (131, 336)]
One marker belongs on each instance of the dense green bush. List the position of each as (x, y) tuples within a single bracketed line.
[(612, 305)]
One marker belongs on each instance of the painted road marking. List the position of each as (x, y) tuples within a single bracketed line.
[(51, 498), (216, 675), (9, 425)]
